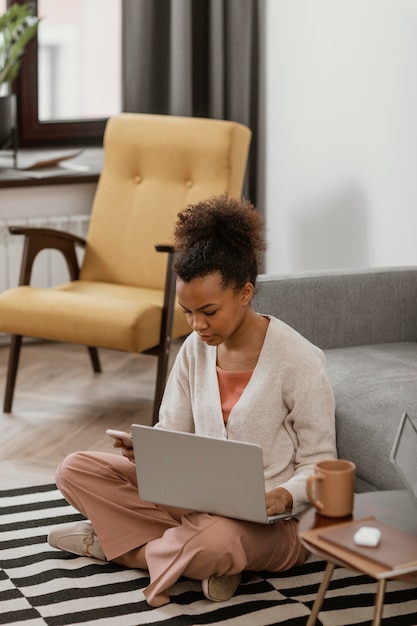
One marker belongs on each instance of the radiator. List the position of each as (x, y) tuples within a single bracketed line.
[(49, 268)]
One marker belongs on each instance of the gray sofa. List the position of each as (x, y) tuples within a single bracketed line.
[(366, 323)]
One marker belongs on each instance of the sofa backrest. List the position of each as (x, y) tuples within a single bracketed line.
[(337, 308)]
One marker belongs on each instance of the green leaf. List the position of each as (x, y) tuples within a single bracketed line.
[(17, 27)]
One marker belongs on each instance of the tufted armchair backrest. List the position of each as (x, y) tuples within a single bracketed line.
[(154, 166)]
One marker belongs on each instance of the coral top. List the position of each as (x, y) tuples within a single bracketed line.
[(231, 386)]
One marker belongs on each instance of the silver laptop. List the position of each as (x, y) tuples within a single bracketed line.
[(404, 455), (204, 474)]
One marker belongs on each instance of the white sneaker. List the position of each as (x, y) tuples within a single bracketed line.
[(77, 538), (220, 588)]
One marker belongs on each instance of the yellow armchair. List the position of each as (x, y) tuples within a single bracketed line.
[(123, 295)]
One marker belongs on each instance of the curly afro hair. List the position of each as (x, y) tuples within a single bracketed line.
[(219, 235)]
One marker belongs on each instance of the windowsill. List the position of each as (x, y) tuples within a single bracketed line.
[(84, 167)]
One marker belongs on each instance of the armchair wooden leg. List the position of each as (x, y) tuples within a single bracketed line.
[(161, 377), (95, 360), (15, 345)]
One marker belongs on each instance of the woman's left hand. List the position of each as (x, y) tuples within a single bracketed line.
[(278, 500)]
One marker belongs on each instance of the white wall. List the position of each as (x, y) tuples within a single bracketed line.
[(341, 133)]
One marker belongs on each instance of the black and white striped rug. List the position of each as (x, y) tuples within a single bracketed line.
[(40, 585)]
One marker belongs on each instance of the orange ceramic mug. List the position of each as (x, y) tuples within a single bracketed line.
[(331, 488)]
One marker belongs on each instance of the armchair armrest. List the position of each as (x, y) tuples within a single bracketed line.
[(164, 247), (37, 239)]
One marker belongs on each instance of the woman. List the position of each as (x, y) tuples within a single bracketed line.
[(241, 375)]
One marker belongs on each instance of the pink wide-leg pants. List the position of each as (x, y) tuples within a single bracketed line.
[(103, 487)]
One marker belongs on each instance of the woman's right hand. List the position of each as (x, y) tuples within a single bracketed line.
[(127, 452), (123, 441)]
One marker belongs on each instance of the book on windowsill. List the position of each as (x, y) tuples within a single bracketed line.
[(395, 554), (33, 159)]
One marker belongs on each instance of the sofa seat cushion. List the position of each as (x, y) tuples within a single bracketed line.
[(373, 386)]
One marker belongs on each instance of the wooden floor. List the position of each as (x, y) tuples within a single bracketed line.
[(61, 406)]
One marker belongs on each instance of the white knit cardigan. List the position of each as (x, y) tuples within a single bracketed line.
[(287, 407)]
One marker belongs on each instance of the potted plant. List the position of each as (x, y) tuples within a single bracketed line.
[(17, 27)]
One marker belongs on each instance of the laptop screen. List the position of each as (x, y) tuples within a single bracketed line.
[(404, 454)]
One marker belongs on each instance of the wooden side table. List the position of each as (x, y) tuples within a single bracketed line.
[(391, 507)]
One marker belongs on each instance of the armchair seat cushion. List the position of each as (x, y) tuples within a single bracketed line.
[(108, 315), (373, 385)]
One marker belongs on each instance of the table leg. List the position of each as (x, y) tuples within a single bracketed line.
[(379, 601), (320, 594)]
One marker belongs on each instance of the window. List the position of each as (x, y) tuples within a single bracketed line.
[(70, 81)]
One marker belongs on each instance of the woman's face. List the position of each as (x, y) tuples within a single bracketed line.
[(216, 313)]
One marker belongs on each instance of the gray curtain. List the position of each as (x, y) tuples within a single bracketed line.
[(197, 58)]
